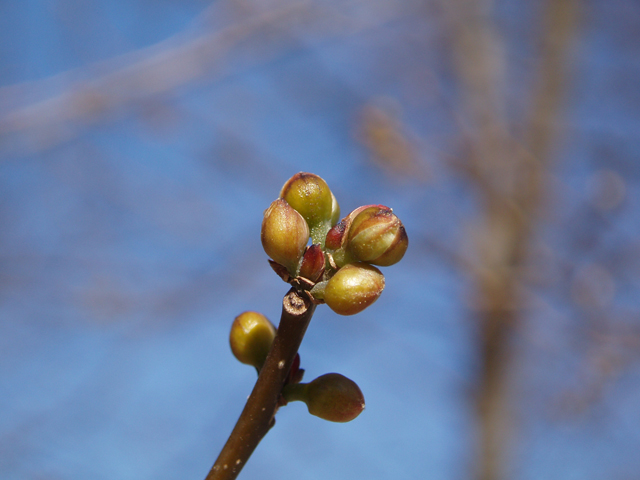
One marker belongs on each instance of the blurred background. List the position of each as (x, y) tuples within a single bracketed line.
[(140, 142)]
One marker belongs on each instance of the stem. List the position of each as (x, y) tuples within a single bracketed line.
[(258, 415), (295, 392)]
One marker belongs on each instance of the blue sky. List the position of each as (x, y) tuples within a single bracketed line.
[(130, 241)]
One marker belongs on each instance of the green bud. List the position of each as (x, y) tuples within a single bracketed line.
[(284, 235), (352, 288), (310, 195), (376, 235), (251, 337), (336, 240), (335, 210), (331, 397)]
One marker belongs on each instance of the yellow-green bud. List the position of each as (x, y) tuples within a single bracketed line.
[(376, 235), (331, 397), (337, 236), (284, 234), (310, 195), (335, 210), (353, 288), (251, 337)]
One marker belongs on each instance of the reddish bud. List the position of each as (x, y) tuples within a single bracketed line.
[(312, 264), (296, 373), (335, 236)]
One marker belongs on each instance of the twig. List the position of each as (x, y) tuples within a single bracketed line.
[(258, 415)]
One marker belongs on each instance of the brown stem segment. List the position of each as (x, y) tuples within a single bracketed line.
[(258, 415)]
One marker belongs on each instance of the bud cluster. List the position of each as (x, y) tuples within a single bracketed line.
[(338, 268)]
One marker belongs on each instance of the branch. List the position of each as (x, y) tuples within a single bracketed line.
[(511, 185), (154, 70), (258, 415), (163, 68), (559, 27)]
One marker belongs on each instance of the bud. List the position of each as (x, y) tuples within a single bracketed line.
[(335, 210), (336, 235), (312, 264), (353, 288), (296, 373), (331, 397), (251, 337), (376, 235), (310, 195), (284, 234)]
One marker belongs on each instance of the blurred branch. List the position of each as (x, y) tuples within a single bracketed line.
[(163, 68), (478, 61), (389, 141), (150, 71), (541, 129), (510, 181), (558, 31), (612, 349)]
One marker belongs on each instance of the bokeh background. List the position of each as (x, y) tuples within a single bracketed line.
[(140, 142)]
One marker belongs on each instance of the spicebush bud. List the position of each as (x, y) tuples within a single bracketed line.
[(310, 195), (353, 288), (336, 235), (296, 373), (312, 264), (335, 210), (376, 235), (331, 397), (284, 234), (251, 337)]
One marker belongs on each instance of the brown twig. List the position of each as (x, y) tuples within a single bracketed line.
[(258, 415)]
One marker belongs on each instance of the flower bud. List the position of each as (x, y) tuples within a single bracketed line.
[(296, 373), (284, 234), (312, 264), (335, 236), (353, 288), (335, 210), (310, 195), (376, 235), (251, 337), (331, 397)]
